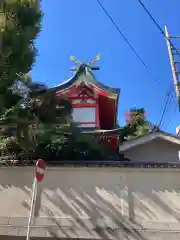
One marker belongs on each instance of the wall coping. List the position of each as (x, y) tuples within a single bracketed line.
[(99, 166)]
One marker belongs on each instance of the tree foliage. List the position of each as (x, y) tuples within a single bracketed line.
[(136, 125), (37, 115), (19, 26)]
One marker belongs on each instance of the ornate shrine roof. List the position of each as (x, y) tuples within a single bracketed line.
[(89, 77), (83, 73)]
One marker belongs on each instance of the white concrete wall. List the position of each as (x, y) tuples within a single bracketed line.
[(143, 195)]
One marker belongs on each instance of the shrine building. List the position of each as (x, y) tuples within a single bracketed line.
[(94, 103)]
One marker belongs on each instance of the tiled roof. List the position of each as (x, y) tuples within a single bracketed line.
[(91, 78)]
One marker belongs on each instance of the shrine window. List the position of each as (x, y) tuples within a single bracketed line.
[(85, 116)]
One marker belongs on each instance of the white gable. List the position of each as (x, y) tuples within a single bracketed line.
[(145, 139)]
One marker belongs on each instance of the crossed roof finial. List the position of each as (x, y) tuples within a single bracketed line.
[(89, 65), (95, 59)]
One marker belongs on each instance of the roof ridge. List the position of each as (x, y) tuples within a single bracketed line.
[(94, 81)]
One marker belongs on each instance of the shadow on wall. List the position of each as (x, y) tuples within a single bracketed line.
[(97, 217), (106, 205)]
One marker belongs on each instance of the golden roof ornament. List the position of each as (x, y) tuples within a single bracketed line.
[(88, 65)]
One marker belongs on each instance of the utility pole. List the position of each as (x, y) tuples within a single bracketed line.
[(174, 57)]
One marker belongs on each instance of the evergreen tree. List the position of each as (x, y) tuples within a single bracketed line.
[(38, 115), (19, 26)]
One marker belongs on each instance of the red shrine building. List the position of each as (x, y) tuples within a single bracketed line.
[(94, 104)]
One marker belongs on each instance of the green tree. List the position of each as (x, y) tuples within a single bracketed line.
[(35, 116), (137, 125), (19, 26), (28, 111)]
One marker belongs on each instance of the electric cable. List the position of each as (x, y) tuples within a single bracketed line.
[(167, 101), (158, 26), (170, 102), (172, 115), (172, 45), (169, 93), (123, 36)]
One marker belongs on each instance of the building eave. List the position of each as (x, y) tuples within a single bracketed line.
[(102, 132), (149, 137)]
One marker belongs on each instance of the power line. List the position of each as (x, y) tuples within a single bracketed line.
[(174, 106), (172, 115), (158, 26), (169, 95), (123, 36), (167, 101)]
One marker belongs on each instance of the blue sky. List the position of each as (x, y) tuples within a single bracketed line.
[(81, 28)]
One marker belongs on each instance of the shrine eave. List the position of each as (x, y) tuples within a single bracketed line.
[(91, 79), (102, 132)]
